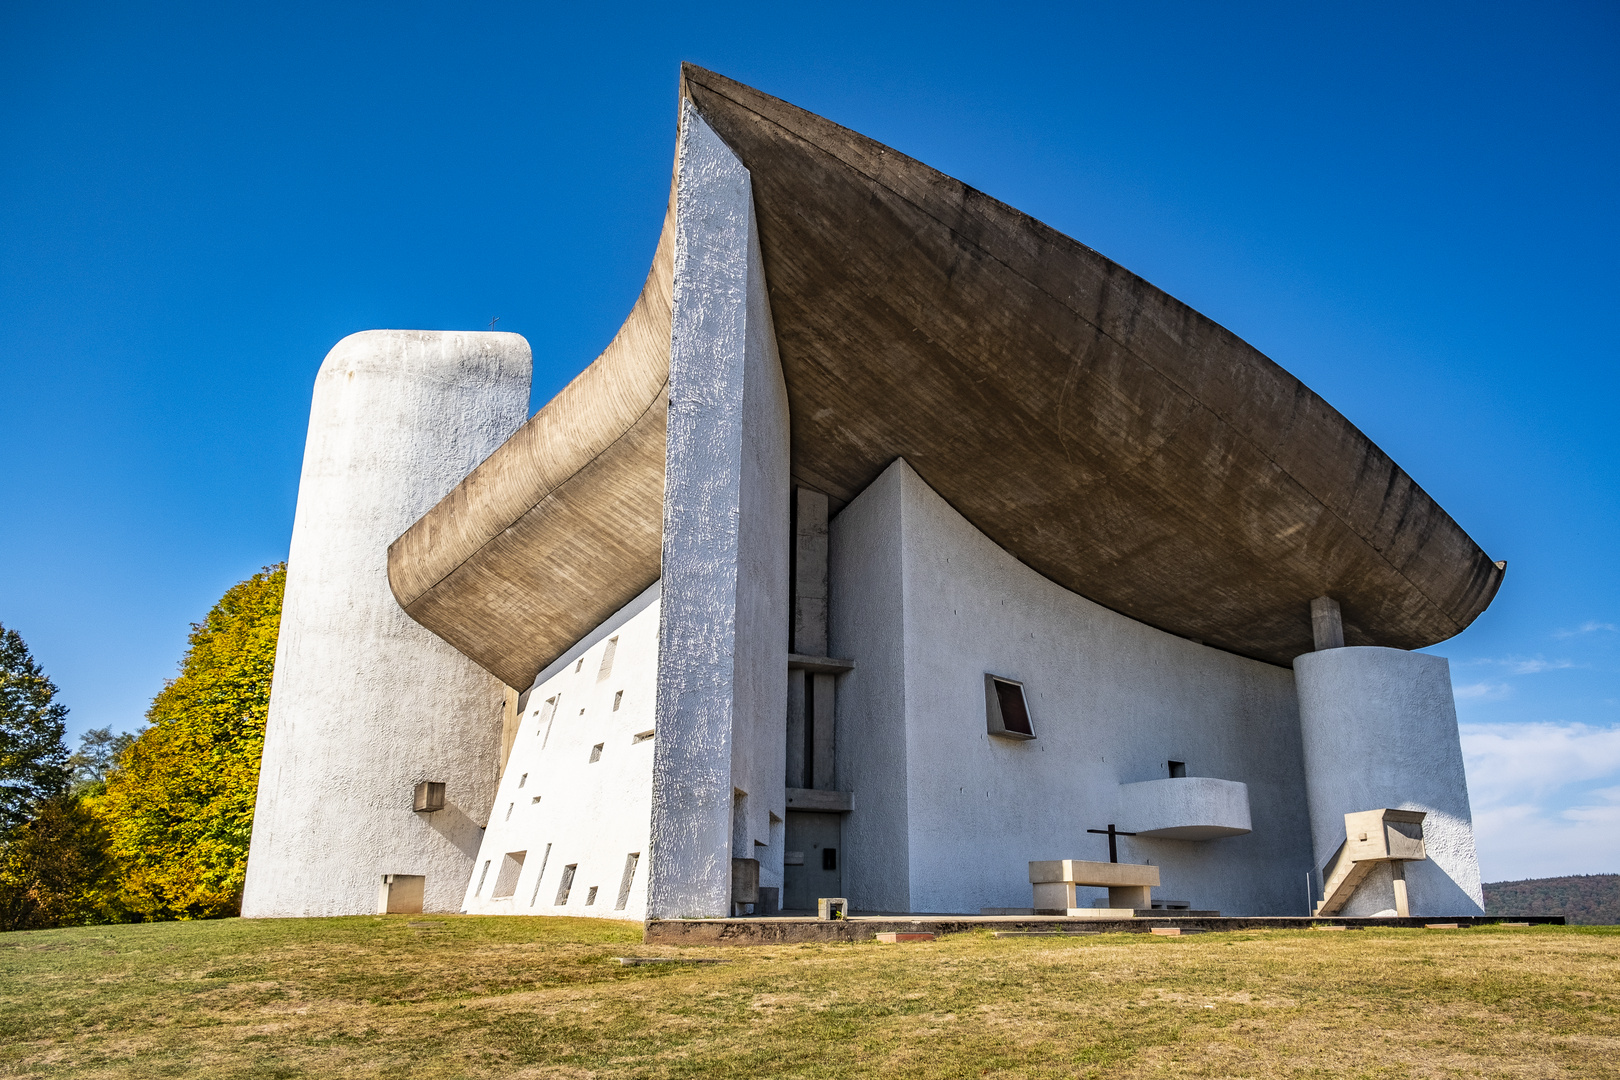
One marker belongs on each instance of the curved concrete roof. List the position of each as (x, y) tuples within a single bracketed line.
[(1101, 431)]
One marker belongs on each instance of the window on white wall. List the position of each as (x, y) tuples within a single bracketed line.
[(608, 653), (545, 856), (641, 736), (590, 897), (482, 874), (543, 716), (511, 869), (1006, 710), (596, 752), (625, 882), (618, 699), (566, 884)]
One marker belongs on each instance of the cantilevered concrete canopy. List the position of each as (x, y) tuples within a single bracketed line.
[(1101, 431)]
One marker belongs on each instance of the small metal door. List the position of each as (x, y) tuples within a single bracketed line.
[(813, 866)]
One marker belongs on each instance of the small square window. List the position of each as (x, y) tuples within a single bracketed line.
[(1178, 769), (1006, 711)]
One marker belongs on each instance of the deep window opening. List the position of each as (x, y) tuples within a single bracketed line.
[(829, 858), (596, 752), (625, 882), (618, 699), (590, 897), (567, 884), (608, 653), (1007, 711), (1178, 769), (506, 881), (481, 876), (545, 856)]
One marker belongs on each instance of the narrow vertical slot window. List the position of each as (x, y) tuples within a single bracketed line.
[(566, 884), (579, 667), (481, 876), (524, 779), (596, 752), (618, 699), (545, 715), (629, 878), (509, 810), (590, 897), (538, 874), (608, 653)]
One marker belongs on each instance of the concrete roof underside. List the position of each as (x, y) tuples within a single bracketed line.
[(1104, 433)]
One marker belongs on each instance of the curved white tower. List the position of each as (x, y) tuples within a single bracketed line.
[(1379, 731), (366, 703)]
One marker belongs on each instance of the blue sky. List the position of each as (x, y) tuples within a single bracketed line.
[(1411, 207)]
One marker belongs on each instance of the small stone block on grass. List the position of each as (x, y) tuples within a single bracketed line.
[(1519, 924), (1173, 931), (897, 937), (1338, 926), (1440, 926)]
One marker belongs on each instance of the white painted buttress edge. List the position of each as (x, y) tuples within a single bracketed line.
[(722, 687)]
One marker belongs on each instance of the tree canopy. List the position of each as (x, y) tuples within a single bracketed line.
[(33, 760), (179, 806)]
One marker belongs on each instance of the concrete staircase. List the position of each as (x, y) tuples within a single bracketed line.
[(1372, 837)]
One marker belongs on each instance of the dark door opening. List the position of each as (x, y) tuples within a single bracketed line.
[(813, 867)]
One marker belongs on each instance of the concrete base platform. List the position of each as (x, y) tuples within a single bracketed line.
[(789, 931)]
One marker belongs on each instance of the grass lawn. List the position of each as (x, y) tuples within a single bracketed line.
[(519, 997)]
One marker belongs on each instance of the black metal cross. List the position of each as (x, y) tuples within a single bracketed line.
[(1113, 845)]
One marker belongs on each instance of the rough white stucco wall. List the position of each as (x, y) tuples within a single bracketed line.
[(866, 622), (722, 688), (365, 703), (559, 807), (1380, 730), (1112, 702)]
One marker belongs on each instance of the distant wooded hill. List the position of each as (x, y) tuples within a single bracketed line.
[(1588, 900)]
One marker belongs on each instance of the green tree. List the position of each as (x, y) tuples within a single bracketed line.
[(33, 760), (179, 805), (97, 755), (56, 870)]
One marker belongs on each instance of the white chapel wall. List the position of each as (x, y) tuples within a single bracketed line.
[(948, 817), (365, 703), (577, 788)]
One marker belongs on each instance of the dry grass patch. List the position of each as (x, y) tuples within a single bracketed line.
[(544, 998)]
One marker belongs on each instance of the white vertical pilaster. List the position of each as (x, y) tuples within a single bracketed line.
[(723, 638)]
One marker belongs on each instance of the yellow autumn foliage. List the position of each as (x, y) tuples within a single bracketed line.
[(179, 806)]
